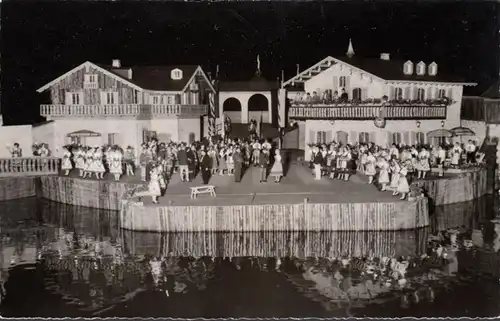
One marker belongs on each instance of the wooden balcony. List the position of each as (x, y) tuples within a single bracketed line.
[(362, 111), (119, 111), (29, 166)]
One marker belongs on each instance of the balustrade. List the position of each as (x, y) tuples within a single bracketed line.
[(123, 110), (29, 166), (367, 112)]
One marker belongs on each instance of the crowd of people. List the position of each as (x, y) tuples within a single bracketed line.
[(391, 168)]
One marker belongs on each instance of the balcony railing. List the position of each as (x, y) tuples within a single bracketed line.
[(368, 110), (124, 110), (29, 166)]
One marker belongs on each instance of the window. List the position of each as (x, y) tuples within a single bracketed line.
[(420, 138), (136, 97), (170, 100), (176, 74), (420, 94), (398, 93), (396, 138), (77, 140), (342, 81), (110, 98), (147, 135), (321, 137), (90, 81), (155, 100), (75, 98), (364, 138), (441, 93), (356, 94)]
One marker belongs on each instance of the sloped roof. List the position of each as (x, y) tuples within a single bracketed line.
[(157, 77), (493, 91), (393, 70)]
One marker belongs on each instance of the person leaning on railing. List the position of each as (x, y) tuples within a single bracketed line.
[(15, 152)]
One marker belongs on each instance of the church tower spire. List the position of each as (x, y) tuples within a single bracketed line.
[(350, 49)]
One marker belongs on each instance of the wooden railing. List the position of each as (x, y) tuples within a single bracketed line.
[(366, 112), (124, 110), (29, 166)]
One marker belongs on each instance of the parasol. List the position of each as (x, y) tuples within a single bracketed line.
[(441, 132), (84, 133), (462, 131)]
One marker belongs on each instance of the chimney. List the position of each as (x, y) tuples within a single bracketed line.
[(350, 49), (385, 56), (129, 73), (116, 63)]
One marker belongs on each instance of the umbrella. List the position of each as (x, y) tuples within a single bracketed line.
[(441, 132), (462, 131), (84, 133)]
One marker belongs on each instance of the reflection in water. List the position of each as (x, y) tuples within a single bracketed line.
[(60, 260)]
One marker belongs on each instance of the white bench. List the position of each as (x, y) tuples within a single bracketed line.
[(205, 189)]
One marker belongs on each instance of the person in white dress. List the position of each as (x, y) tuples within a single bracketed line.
[(423, 163), (66, 165), (369, 166), (116, 164), (79, 158), (154, 184), (346, 163), (395, 169), (383, 175), (98, 167), (403, 186), (89, 161), (277, 169), (456, 155)]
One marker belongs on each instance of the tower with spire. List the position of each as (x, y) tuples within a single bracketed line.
[(350, 49)]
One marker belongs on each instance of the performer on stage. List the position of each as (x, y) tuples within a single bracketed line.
[(129, 161), (423, 163), (395, 175), (238, 165), (206, 167), (317, 161), (383, 176), (154, 184), (456, 155), (277, 169), (66, 165), (116, 164), (256, 146), (89, 161), (369, 164), (263, 163), (99, 169), (79, 159), (403, 186)]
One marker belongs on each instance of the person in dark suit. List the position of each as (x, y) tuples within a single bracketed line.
[(238, 164), (191, 158), (182, 160), (205, 167), (263, 163)]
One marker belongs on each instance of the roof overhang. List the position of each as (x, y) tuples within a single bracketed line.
[(320, 67), (469, 84), (88, 64)]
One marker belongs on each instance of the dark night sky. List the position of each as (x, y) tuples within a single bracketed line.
[(42, 40)]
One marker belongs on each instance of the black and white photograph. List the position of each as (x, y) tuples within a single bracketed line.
[(250, 159)]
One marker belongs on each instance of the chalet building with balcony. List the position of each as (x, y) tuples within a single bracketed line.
[(97, 104), (353, 99), (482, 113)]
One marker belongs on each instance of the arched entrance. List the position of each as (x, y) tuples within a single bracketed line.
[(258, 108), (232, 108)]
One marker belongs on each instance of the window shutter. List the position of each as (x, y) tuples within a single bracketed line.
[(392, 93), (348, 86), (312, 137), (406, 138), (115, 98), (68, 100), (86, 78), (329, 136), (406, 94), (373, 137), (389, 138), (450, 94), (353, 137), (364, 93), (103, 98), (415, 93), (412, 138), (335, 83)]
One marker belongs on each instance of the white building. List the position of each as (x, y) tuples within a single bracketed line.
[(413, 98), (95, 104)]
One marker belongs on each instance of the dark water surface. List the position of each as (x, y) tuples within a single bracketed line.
[(59, 260)]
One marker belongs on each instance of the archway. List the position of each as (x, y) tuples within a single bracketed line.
[(231, 104), (258, 108), (232, 109)]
